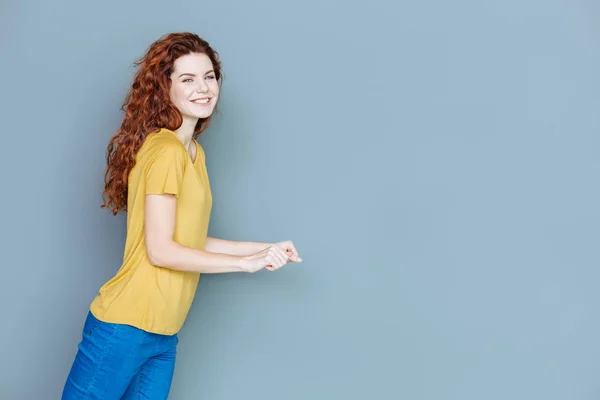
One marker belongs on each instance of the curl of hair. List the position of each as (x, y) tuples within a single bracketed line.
[(148, 108)]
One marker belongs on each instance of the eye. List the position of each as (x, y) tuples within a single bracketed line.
[(210, 77), (188, 79)]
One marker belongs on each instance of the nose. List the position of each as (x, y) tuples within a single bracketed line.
[(202, 87)]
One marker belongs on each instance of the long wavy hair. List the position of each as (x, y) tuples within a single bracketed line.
[(148, 108)]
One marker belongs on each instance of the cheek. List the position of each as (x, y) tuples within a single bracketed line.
[(214, 88), (179, 94)]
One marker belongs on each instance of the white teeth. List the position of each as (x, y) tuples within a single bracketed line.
[(201, 101)]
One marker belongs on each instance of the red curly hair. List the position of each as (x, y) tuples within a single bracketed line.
[(148, 108)]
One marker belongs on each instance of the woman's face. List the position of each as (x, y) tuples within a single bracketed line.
[(194, 86)]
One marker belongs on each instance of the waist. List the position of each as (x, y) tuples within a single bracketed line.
[(154, 299)]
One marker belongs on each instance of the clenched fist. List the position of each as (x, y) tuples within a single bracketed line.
[(272, 258)]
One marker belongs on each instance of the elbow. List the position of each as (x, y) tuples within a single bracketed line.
[(157, 255)]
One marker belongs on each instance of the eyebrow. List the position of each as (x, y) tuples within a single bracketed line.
[(194, 75)]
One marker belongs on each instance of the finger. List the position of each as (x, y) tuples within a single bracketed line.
[(291, 248), (283, 257), (293, 253), (279, 256), (279, 264), (270, 261), (295, 258)]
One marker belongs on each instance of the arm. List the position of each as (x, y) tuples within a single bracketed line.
[(236, 248), (163, 251)]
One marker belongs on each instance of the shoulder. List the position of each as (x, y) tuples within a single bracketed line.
[(164, 138), (162, 143)]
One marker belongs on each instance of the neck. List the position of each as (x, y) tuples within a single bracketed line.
[(186, 131)]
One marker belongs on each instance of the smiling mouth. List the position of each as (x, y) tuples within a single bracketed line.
[(204, 100)]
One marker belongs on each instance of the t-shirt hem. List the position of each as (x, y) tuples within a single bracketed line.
[(145, 328)]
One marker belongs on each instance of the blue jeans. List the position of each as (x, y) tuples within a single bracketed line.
[(117, 361)]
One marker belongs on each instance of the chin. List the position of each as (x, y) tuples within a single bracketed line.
[(200, 115), (203, 115)]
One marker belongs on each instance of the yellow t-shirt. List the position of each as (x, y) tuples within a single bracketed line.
[(157, 299)]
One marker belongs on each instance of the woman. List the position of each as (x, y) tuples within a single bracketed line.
[(156, 171)]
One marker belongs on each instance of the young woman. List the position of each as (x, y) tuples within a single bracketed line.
[(156, 172)]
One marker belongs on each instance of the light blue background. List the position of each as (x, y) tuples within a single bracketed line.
[(435, 162)]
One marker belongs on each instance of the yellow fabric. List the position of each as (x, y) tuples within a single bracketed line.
[(157, 299)]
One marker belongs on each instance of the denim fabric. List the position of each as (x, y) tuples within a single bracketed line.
[(117, 361)]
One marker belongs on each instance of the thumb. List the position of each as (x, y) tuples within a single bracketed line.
[(294, 258)]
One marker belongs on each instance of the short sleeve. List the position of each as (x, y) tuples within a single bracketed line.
[(164, 173)]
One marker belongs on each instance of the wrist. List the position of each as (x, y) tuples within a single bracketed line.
[(241, 263), (260, 246)]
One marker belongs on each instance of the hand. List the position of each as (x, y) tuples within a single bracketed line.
[(290, 250), (271, 258)]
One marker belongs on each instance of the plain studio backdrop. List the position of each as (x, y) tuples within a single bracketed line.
[(436, 164)]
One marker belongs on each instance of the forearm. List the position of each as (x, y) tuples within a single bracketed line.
[(182, 258), (234, 248)]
